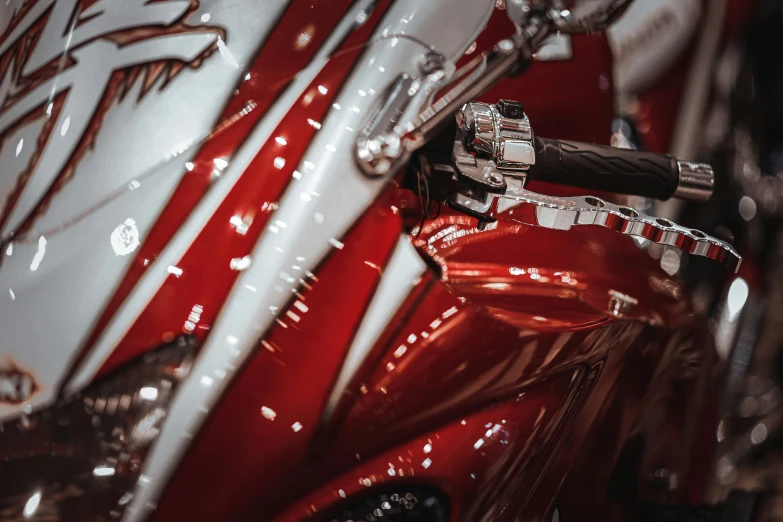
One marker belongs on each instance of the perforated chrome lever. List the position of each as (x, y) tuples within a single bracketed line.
[(561, 213), (493, 156)]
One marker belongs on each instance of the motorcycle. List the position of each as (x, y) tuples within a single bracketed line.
[(275, 261)]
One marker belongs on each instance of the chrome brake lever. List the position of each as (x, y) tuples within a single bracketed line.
[(561, 213)]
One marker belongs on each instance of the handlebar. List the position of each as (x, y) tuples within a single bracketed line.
[(624, 171)]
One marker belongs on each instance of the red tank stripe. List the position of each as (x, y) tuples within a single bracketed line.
[(207, 276), (280, 58)]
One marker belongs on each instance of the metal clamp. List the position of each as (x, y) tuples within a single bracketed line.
[(382, 146)]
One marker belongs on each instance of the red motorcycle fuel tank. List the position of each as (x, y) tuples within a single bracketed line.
[(210, 313)]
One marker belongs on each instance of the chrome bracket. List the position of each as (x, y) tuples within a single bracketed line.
[(383, 145)]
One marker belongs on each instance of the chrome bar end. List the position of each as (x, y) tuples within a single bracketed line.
[(697, 181)]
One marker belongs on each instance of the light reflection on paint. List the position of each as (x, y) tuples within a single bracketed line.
[(31, 506), (241, 263), (39, 255), (268, 413), (125, 238), (226, 54)]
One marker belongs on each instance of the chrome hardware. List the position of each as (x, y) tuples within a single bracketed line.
[(482, 172), (500, 131), (380, 148), (697, 181), (620, 303), (482, 144), (389, 138), (561, 213)]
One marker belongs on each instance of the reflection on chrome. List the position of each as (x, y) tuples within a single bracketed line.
[(148, 393)]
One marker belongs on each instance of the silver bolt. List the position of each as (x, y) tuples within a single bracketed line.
[(620, 303), (433, 62)]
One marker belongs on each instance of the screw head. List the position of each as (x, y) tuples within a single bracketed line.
[(433, 62)]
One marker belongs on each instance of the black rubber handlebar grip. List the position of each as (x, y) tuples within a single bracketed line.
[(604, 168)]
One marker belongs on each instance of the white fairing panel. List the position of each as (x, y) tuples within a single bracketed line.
[(648, 38), (317, 210), (58, 270)]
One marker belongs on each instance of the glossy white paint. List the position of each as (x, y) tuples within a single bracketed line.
[(157, 273), (336, 194), (53, 289)]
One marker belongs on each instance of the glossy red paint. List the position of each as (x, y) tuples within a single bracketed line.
[(454, 350), (278, 398), (492, 452), (547, 89), (278, 61), (208, 268), (572, 271), (515, 326)]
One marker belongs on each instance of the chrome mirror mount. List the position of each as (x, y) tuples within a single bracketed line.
[(410, 117)]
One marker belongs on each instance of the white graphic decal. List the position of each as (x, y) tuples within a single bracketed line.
[(68, 74)]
